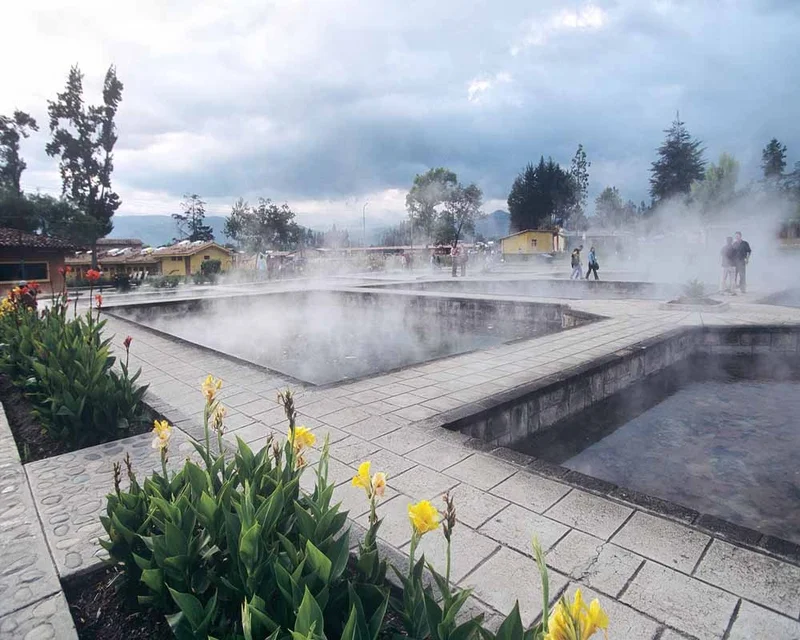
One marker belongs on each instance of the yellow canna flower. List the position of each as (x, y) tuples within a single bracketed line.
[(424, 517), (302, 438), (362, 479), (210, 387), (163, 432), (596, 619), (379, 484), (577, 605)]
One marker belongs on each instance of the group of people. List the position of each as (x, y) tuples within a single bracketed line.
[(734, 258), (577, 267)]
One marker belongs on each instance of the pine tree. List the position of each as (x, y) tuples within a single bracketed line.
[(580, 175), (680, 162), (191, 222), (773, 161), (84, 137), (11, 164)]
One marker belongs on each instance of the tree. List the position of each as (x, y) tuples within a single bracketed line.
[(397, 236), (11, 164), (429, 191), (542, 195), (773, 161), (611, 212), (680, 162), (461, 210), (267, 226), (191, 222), (84, 137), (579, 170), (718, 187)]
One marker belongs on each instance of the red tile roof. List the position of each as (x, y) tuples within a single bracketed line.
[(16, 238)]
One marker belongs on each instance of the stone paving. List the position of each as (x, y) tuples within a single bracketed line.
[(657, 578)]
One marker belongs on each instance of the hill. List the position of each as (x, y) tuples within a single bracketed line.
[(495, 225), (159, 230)]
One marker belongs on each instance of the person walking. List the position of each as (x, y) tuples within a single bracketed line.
[(593, 264), (741, 256), (575, 261), (727, 259)]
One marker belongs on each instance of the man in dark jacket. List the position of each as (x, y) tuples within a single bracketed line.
[(741, 254)]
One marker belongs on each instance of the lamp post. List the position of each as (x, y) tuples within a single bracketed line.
[(364, 222)]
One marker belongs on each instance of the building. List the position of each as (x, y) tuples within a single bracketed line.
[(107, 244), (31, 257), (181, 259), (533, 241)]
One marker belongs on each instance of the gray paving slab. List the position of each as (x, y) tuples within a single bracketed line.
[(590, 513), (439, 454), (28, 573), (508, 577), (422, 483), (353, 450), (344, 418), (415, 413), (405, 439), (682, 602), (515, 527), (371, 427), (531, 491), (754, 576), (482, 471), (474, 507), (70, 494), (753, 622), (469, 549), (41, 620), (594, 562), (667, 542)]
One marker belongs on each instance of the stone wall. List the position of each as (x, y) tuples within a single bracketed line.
[(512, 416)]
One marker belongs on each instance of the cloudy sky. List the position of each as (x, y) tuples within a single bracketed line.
[(332, 103)]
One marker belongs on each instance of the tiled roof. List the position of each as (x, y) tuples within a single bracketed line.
[(16, 238), (119, 242), (187, 249)]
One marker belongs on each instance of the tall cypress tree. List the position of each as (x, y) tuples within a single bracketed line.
[(680, 162), (84, 137), (12, 129)]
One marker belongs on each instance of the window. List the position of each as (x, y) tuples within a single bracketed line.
[(206, 257), (16, 271), (533, 242), (175, 258)]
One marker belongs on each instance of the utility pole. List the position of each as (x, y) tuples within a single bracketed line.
[(364, 222)]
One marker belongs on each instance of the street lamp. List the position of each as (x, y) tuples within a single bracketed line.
[(364, 222)]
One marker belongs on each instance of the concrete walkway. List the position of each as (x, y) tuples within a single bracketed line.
[(656, 577)]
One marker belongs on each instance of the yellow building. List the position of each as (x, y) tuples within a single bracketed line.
[(533, 241), (185, 259), (182, 259)]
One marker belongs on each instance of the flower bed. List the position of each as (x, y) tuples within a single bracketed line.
[(60, 363), (231, 547)]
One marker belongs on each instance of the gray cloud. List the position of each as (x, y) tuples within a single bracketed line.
[(334, 101)]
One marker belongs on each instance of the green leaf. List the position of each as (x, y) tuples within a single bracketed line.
[(248, 547), (309, 616), (349, 631), (190, 607), (511, 628), (154, 579), (318, 561)]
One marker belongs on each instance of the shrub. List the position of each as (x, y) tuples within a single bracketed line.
[(211, 267), (165, 282), (68, 373), (694, 289), (232, 548)]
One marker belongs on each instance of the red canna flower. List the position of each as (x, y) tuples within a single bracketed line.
[(68, 269), (99, 300), (62, 270), (127, 342), (92, 275)]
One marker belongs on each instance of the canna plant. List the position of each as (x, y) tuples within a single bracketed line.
[(230, 547)]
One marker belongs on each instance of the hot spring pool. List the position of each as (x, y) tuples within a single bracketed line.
[(721, 436), (327, 336)]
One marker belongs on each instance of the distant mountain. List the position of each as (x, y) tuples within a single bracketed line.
[(159, 230), (495, 225)]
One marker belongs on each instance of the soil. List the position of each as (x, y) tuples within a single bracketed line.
[(33, 442), (102, 611)]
